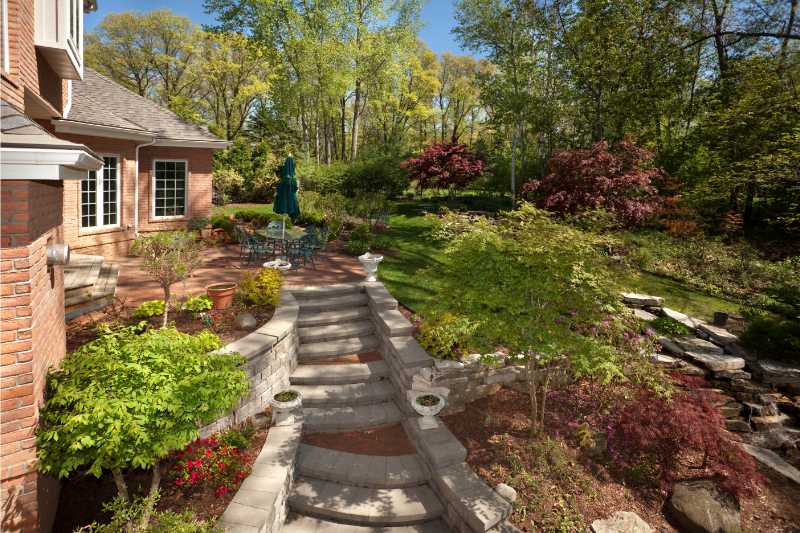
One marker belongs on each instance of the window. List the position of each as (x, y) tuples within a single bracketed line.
[(100, 196), (169, 199), (5, 59)]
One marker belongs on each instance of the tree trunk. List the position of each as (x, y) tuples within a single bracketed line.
[(719, 42), (514, 166), (532, 385), (155, 481), (343, 127), (166, 305), (789, 28), (119, 481), (356, 113)]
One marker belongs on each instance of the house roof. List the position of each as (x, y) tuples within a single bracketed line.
[(97, 100), (17, 130)]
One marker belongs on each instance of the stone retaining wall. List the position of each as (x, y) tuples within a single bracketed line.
[(271, 357), (471, 506)]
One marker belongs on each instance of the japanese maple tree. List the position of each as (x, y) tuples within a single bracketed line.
[(444, 166), (620, 181)]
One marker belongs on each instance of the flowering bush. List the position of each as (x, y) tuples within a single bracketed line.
[(444, 166), (211, 463), (596, 178)]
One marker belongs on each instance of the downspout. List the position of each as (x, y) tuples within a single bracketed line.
[(136, 188)]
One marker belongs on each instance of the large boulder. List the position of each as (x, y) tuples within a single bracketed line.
[(701, 507), (621, 522), (632, 298)]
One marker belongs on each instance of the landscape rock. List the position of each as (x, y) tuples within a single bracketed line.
[(641, 299), (446, 364), (762, 423), (700, 507), (669, 345), (471, 359), (697, 345), (773, 461), (730, 412), (738, 425), (757, 409), (732, 374), (666, 360), (776, 373), (245, 321), (621, 522), (684, 319), (739, 351), (718, 335), (641, 314), (716, 362), (690, 370), (507, 492)]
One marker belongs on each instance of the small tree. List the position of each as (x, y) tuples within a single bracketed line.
[(597, 178), (169, 257), (444, 166), (128, 399)]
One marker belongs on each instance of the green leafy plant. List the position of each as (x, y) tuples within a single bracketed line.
[(149, 309), (127, 516), (670, 326), (128, 399), (169, 257), (428, 400), (224, 223), (286, 396), (440, 335), (211, 462), (240, 436), (196, 223), (198, 304), (262, 288), (773, 337)]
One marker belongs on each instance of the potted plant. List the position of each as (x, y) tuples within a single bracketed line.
[(427, 405), (221, 294), (284, 404), (370, 263)]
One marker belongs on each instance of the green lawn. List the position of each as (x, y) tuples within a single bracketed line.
[(232, 208), (412, 251)]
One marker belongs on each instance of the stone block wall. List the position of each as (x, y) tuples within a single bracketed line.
[(271, 357)]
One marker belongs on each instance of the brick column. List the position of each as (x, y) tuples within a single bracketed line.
[(32, 334)]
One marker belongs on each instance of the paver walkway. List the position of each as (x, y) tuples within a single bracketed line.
[(338, 491)]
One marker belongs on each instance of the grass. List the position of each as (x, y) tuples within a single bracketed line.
[(232, 208), (412, 251)]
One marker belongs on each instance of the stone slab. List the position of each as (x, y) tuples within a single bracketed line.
[(474, 501), (641, 299), (392, 323), (773, 461), (684, 319), (716, 362), (717, 335), (621, 522), (409, 352), (697, 345), (641, 314)]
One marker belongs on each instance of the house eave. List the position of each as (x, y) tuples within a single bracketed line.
[(192, 143), (99, 130), (38, 163)]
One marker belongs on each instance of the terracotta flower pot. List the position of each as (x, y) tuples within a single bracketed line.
[(221, 294)]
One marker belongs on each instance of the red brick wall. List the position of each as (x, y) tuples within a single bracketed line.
[(29, 208), (33, 341), (116, 242), (22, 54)]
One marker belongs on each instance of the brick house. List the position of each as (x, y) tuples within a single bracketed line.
[(84, 162)]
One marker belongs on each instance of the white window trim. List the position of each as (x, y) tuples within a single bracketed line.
[(153, 190), (6, 52), (99, 199)]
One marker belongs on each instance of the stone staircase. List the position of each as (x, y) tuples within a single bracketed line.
[(89, 284), (340, 491)]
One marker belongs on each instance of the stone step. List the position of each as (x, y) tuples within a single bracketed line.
[(350, 418), (343, 395), (339, 316), (364, 506), (377, 471), (339, 374), (333, 332), (327, 291), (351, 345), (332, 303), (296, 523)]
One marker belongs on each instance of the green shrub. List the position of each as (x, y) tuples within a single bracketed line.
[(356, 246), (260, 218), (239, 437), (669, 326), (129, 398), (368, 207), (149, 309), (197, 223), (771, 337), (198, 304), (262, 288), (224, 223), (441, 335), (124, 513), (382, 242), (321, 209), (369, 175)]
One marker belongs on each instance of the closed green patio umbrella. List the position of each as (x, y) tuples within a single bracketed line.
[(286, 193)]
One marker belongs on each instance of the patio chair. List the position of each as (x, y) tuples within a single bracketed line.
[(300, 250)]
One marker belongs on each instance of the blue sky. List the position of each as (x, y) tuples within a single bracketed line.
[(437, 16)]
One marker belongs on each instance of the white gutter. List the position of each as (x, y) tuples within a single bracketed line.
[(136, 188)]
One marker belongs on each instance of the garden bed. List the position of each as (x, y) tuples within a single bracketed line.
[(222, 323), (83, 496), (561, 488)]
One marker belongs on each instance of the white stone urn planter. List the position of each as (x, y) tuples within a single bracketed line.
[(284, 406), (278, 264), (370, 263), (423, 404)]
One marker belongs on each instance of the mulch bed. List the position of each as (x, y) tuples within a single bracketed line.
[(84, 329), (560, 488), (387, 440), (83, 496)]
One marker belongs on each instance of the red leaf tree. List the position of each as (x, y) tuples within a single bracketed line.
[(597, 178), (444, 166)]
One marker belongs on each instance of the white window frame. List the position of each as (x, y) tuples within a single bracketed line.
[(99, 203), (153, 190), (6, 60)]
